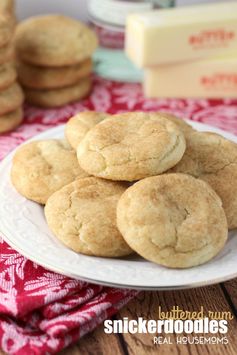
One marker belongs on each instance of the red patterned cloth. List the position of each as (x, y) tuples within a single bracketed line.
[(42, 312)]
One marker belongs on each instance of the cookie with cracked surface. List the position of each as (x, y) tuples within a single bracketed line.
[(36, 77), (11, 99), (78, 125), (54, 41), (83, 216), (131, 146), (58, 97), (42, 167), (7, 75), (173, 220), (183, 125), (11, 120), (213, 159)]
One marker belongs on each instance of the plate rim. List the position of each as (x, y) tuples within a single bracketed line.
[(117, 285), (50, 267)]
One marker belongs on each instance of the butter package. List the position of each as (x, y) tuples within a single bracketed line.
[(181, 34), (212, 78)]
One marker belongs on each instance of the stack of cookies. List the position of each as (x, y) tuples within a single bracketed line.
[(134, 182), (11, 95), (54, 59), (8, 7)]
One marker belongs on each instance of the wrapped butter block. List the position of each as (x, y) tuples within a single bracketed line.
[(212, 78), (181, 34)]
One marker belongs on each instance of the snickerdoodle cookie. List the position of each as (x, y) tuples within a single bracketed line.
[(6, 29), (83, 216), (36, 77), (11, 120), (54, 40), (131, 146), (213, 158), (58, 97), (7, 75), (6, 53), (42, 167), (11, 99), (183, 125), (173, 219), (7, 6), (79, 125)]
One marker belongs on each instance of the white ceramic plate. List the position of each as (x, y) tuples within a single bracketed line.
[(23, 226)]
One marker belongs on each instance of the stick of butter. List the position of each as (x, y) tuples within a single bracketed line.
[(180, 34), (211, 78)]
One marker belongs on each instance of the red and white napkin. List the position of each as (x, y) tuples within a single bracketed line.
[(41, 311)]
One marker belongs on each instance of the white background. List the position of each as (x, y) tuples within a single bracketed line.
[(74, 8)]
